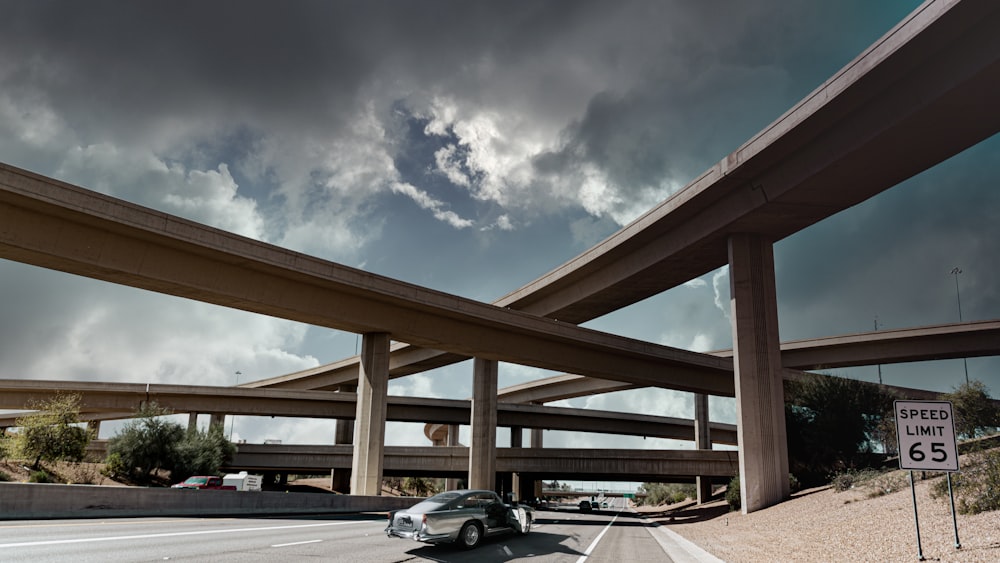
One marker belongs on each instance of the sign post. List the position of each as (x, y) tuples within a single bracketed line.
[(925, 432)]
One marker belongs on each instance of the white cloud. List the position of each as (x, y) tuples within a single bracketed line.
[(437, 207)]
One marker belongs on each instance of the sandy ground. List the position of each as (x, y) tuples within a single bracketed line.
[(824, 525)]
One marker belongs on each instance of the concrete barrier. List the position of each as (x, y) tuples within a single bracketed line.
[(25, 501)]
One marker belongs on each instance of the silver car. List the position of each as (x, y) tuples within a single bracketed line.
[(463, 517)]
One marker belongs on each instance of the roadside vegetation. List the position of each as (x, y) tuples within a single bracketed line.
[(49, 434), (667, 493), (835, 424), (149, 446)]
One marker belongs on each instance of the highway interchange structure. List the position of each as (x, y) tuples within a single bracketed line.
[(919, 95)]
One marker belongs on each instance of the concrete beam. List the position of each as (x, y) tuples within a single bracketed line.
[(58, 226), (561, 463), (101, 401)]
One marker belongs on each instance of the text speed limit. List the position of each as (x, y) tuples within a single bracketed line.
[(926, 435)]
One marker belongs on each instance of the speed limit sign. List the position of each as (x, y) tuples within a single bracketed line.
[(926, 434)]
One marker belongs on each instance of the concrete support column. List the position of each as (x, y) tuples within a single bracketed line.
[(217, 418), (516, 437), (369, 430), (536, 435), (483, 446), (702, 441), (192, 421), (340, 479), (760, 409), (452, 483), (94, 427)]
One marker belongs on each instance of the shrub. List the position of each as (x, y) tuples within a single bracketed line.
[(40, 476), (977, 486), (975, 414), (4, 476), (202, 453), (733, 494), (670, 493), (145, 444)]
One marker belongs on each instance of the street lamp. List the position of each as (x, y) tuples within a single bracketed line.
[(958, 296)]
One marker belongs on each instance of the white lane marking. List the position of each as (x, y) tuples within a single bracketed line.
[(593, 544), (295, 543), (175, 534)]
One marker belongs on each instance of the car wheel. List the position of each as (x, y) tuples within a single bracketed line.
[(470, 535), (527, 525)]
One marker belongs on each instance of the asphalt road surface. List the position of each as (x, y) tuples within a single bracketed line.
[(557, 536)]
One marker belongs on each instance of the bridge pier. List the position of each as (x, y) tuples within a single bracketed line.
[(702, 441), (452, 483), (340, 479), (760, 407), (192, 421), (369, 430), (216, 418), (483, 446), (94, 427)]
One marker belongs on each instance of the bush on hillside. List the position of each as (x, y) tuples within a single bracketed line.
[(977, 486), (149, 444), (975, 414), (51, 433), (668, 493)]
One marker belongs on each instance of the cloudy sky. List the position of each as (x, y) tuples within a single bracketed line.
[(466, 146)]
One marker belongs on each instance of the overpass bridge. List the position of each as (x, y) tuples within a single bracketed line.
[(529, 463), (103, 401), (654, 466), (860, 133)]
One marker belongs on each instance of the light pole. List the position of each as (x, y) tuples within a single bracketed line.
[(232, 425), (958, 296)]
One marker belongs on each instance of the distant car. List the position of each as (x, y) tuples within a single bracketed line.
[(604, 505), (585, 506), (595, 505), (464, 517), (204, 482)]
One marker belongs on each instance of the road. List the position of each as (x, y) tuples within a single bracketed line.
[(564, 536)]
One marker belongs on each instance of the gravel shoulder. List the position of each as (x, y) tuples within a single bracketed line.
[(824, 525)]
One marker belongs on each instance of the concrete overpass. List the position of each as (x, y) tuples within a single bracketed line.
[(104, 401), (860, 133), (453, 461)]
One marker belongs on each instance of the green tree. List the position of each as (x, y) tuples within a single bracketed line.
[(51, 433), (975, 413), (145, 444), (420, 486), (202, 453), (832, 423)]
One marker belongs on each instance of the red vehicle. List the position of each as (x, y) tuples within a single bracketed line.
[(204, 482)]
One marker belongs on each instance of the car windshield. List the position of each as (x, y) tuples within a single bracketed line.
[(196, 480), (434, 503)]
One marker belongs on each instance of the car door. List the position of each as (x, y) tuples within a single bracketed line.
[(495, 512)]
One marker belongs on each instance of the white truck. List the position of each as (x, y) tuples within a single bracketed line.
[(243, 481)]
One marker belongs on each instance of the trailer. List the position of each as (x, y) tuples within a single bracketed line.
[(244, 481)]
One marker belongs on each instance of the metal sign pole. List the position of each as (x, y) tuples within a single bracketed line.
[(954, 521), (913, 492)]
